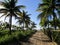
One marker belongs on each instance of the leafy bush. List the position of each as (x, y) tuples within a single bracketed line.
[(56, 36), (6, 38)]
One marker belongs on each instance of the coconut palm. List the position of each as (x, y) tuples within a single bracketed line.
[(0, 25), (44, 23), (33, 25), (27, 23), (48, 8), (57, 23), (45, 13), (20, 21), (25, 19), (10, 9)]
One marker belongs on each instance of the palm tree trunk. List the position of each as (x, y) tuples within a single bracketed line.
[(53, 2), (27, 27), (23, 25), (48, 25), (54, 20), (10, 20)]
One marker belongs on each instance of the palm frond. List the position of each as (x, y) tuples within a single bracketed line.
[(41, 15), (20, 7), (3, 15), (3, 10), (15, 15), (44, 4), (19, 14), (6, 16)]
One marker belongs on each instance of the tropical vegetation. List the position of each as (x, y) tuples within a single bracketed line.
[(10, 33), (50, 18)]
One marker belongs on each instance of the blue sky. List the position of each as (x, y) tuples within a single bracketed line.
[(31, 7)]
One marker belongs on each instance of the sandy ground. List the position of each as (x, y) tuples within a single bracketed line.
[(39, 38)]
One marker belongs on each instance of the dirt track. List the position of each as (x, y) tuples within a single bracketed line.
[(39, 38)]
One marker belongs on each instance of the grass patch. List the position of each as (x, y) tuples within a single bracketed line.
[(6, 38), (55, 35)]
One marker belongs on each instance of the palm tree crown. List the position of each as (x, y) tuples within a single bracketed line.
[(48, 8), (10, 9), (24, 19)]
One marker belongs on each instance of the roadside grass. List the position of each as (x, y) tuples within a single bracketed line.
[(15, 37), (55, 36)]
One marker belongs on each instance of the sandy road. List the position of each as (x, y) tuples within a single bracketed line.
[(39, 38)]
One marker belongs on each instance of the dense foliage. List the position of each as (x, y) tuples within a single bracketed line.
[(50, 18), (16, 36)]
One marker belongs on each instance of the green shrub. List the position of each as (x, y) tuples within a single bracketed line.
[(6, 38), (56, 36)]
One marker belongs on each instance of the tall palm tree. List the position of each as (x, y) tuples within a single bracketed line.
[(48, 8), (20, 21), (27, 23), (10, 9), (57, 23), (44, 23), (45, 13), (0, 25), (33, 25), (26, 19)]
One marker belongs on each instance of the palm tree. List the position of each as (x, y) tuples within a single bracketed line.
[(45, 13), (20, 21), (10, 9), (48, 8), (57, 23), (27, 23), (33, 25), (26, 19), (44, 23), (0, 25)]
